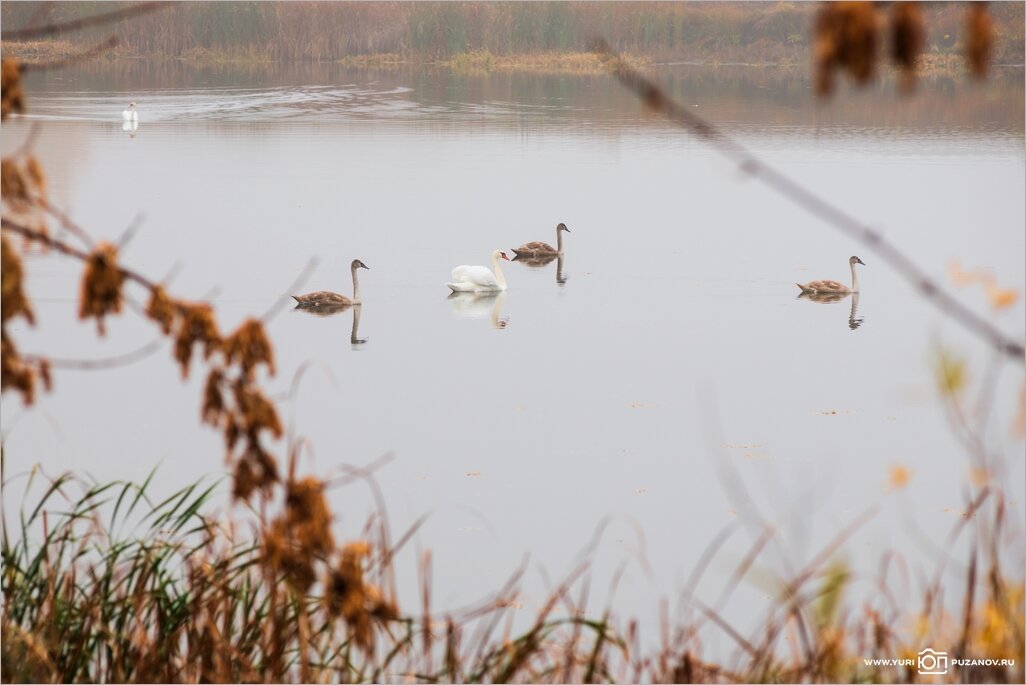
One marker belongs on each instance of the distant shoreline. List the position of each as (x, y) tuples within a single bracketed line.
[(475, 61)]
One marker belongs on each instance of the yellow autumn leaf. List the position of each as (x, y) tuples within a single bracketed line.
[(1001, 297), (979, 477), (951, 373), (898, 477), (959, 276)]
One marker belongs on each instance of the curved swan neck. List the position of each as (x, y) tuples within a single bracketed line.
[(559, 241), (854, 280), (498, 270), (356, 285)]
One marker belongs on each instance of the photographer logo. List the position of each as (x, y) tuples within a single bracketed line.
[(933, 663)]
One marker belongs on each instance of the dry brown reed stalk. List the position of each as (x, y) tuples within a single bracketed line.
[(979, 44), (907, 38), (846, 39), (12, 100)]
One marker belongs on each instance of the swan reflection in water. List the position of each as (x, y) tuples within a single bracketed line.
[(537, 262), (480, 306), (834, 298), (130, 127), (333, 309)]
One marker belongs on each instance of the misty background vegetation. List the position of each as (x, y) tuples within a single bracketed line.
[(748, 32)]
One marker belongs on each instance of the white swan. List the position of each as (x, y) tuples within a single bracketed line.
[(130, 114), (478, 279)]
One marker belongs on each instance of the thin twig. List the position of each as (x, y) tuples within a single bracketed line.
[(130, 232), (104, 363), (283, 299), (656, 99), (727, 628), (171, 274), (30, 140), (66, 222)]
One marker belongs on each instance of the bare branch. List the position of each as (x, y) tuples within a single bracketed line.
[(65, 249), (105, 363), (94, 20)]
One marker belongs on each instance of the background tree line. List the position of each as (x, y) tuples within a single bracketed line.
[(330, 31)]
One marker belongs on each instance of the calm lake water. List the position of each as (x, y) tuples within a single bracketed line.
[(668, 353)]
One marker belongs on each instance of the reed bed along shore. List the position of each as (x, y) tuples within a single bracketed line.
[(101, 583)]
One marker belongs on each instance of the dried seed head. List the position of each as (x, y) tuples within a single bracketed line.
[(196, 325), (243, 480), (250, 346), (845, 38), (232, 433), (301, 535), (257, 413), (859, 44), (979, 42), (22, 182), (283, 556), (13, 185), (825, 47), (254, 470), (358, 602), (15, 374), (10, 85), (12, 301), (907, 37), (382, 609), (101, 285), (307, 516), (161, 309), (213, 400)]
